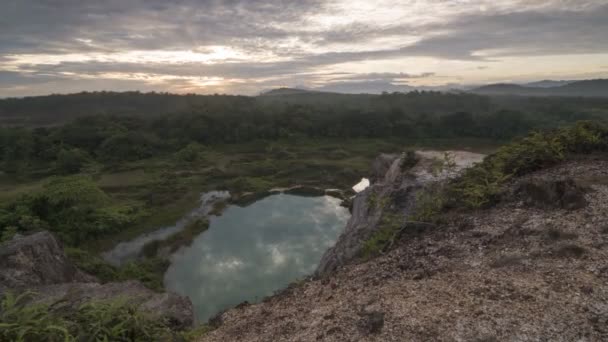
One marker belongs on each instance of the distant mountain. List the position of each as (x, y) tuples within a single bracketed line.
[(587, 88), (287, 91), (365, 87), (547, 84)]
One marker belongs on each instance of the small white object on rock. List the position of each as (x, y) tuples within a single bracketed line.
[(362, 185)]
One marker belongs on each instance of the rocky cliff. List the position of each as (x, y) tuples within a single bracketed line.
[(396, 179), (38, 263), (531, 268)]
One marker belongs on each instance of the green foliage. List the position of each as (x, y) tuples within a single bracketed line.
[(247, 184), (481, 185), (66, 192), (129, 146), (388, 229), (93, 265), (375, 201), (118, 321), (73, 207), (193, 152), (429, 204), (8, 233), (22, 321), (409, 160), (149, 271), (71, 160), (196, 333)]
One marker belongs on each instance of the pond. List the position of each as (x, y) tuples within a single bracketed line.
[(249, 253)]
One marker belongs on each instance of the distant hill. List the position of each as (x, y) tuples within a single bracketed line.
[(587, 88), (547, 84), (365, 87), (286, 91)]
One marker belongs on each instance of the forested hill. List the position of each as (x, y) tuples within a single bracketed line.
[(587, 88), (58, 109), (304, 108)]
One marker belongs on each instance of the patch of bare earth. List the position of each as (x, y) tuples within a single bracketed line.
[(510, 273)]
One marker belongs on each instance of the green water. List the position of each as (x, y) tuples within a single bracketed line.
[(249, 253)]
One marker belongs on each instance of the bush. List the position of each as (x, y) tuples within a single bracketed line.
[(71, 160), (191, 153), (481, 185), (247, 184), (149, 271), (74, 207), (94, 321)]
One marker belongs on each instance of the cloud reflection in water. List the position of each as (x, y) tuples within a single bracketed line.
[(249, 253)]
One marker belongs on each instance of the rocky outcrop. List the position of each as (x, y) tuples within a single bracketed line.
[(38, 263), (553, 193), (36, 259), (173, 309), (397, 180)]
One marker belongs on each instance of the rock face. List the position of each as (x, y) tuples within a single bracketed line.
[(36, 259), (562, 193), (176, 310), (396, 186), (38, 263)]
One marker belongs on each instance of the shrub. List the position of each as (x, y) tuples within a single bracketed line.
[(409, 160), (116, 320), (482, 184), (149, 271), (20, 322), (193, 152), (93, 265), (386, 233), (71, 160)]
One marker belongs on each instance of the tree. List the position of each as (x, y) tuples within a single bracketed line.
[(71, 160)]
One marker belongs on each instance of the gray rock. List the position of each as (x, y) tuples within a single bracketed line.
[(175, 310), (395, 191), (381, 165), (371, 322), (36, 259), (560, 193), (37, 263)]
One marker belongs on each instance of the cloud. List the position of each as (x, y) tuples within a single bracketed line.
[(252, 43), (519, 33)]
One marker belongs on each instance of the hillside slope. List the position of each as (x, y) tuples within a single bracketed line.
[(531, 268), (586, 88)]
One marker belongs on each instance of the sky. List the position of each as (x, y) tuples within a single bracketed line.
[(248, 46)]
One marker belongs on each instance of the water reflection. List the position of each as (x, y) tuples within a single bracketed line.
[(129, 250), (249, 253)]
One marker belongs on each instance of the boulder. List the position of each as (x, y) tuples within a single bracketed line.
[(37, 263), (36, 259), (550, 193), (177, 311), (380, 166)]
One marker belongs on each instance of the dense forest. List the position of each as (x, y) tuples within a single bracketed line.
[(113, 127)]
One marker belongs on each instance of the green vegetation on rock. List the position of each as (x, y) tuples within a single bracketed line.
[(23, 321)]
